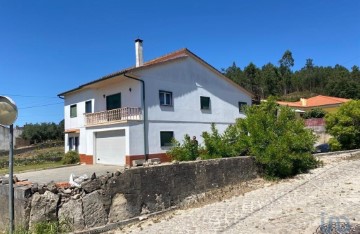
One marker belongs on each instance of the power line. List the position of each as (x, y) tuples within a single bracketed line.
[(19, 95), (49, 104)]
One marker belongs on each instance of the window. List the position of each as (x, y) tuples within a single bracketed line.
[(165, 98), (73, 111), (76, 140), (241, 106), (165, 138), (88, 107), (113, 101), (205, 103), (73, 143)]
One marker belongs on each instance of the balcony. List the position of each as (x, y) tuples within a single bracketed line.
[(113, 116)]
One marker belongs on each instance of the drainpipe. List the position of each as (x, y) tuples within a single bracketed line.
[(145, 114)]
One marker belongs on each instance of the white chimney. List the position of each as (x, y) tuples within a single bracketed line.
[(303, 101), (139, 52)]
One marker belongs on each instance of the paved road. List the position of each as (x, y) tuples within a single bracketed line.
[(295, 206), (63, 174)]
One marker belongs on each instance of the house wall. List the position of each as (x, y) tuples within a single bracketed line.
[(188, 80), (97, 95)]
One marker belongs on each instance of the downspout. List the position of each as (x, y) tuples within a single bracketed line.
[(145, 114)]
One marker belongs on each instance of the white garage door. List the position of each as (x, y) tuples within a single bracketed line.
[(110, 147)]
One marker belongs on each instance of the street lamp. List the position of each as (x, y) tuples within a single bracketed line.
[(8, 115)]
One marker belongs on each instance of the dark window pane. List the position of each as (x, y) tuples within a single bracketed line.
[(88, 107), (73, 111), (241, 106), (205, 103), (168, 99), (162, 98), (165, 138), (113, 101)]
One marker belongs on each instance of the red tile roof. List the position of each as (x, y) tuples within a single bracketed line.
[(316, 101)]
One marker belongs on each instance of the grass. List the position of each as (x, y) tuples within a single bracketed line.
[(36, 159), (32, 167)]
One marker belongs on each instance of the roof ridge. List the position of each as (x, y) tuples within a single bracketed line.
[(166, 55)]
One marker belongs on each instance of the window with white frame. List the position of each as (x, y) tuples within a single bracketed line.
[(166, 138), (205, 103), (73, 111), (165, 98), (88, 107)]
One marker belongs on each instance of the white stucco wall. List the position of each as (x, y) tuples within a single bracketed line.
[(187, 79), (96, 95)]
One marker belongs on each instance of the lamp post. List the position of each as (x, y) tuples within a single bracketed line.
[(8, 115)]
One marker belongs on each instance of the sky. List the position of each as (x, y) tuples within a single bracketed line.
[(47, 47)]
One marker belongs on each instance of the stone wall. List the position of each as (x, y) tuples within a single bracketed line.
[(119, 196)]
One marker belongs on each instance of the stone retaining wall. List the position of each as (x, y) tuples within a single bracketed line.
[(119, 196)]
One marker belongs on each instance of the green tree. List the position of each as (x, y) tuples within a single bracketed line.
[(271, 80), (344, 126), (278, 140), (286, 63), (38, 133), (252, 75)]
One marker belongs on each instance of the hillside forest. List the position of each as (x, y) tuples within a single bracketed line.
[(281, 81)]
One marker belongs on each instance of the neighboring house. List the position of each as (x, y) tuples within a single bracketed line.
[(327, 103), (134, 113)]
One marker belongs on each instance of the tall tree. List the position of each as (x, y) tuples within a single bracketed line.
[(270, 78), (286, 63), (251, 73)]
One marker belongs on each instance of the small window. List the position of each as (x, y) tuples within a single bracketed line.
[(205, 103), (166, 138), (165, 98), (73, 111), (242, 106), (88, 107)]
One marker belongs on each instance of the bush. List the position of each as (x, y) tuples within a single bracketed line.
[(71, 157), (222, 145), (344, 126), (187, 151), (334, 144), (279, 141), (315, 113)]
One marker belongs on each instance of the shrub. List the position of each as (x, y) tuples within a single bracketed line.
[(71, 157), (334, 144), (187, 151), (222, 145), (344, 126), (279, 141), (315, 113)]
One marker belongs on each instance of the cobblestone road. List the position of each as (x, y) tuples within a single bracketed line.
[(297, 205)]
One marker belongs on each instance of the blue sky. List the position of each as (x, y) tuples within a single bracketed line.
[(47, 47)]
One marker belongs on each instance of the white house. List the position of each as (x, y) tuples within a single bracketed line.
[(134, 113)]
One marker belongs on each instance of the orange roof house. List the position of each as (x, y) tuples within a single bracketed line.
[(327, 103)]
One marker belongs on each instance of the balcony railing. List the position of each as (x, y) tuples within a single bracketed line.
[(113, 116)]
